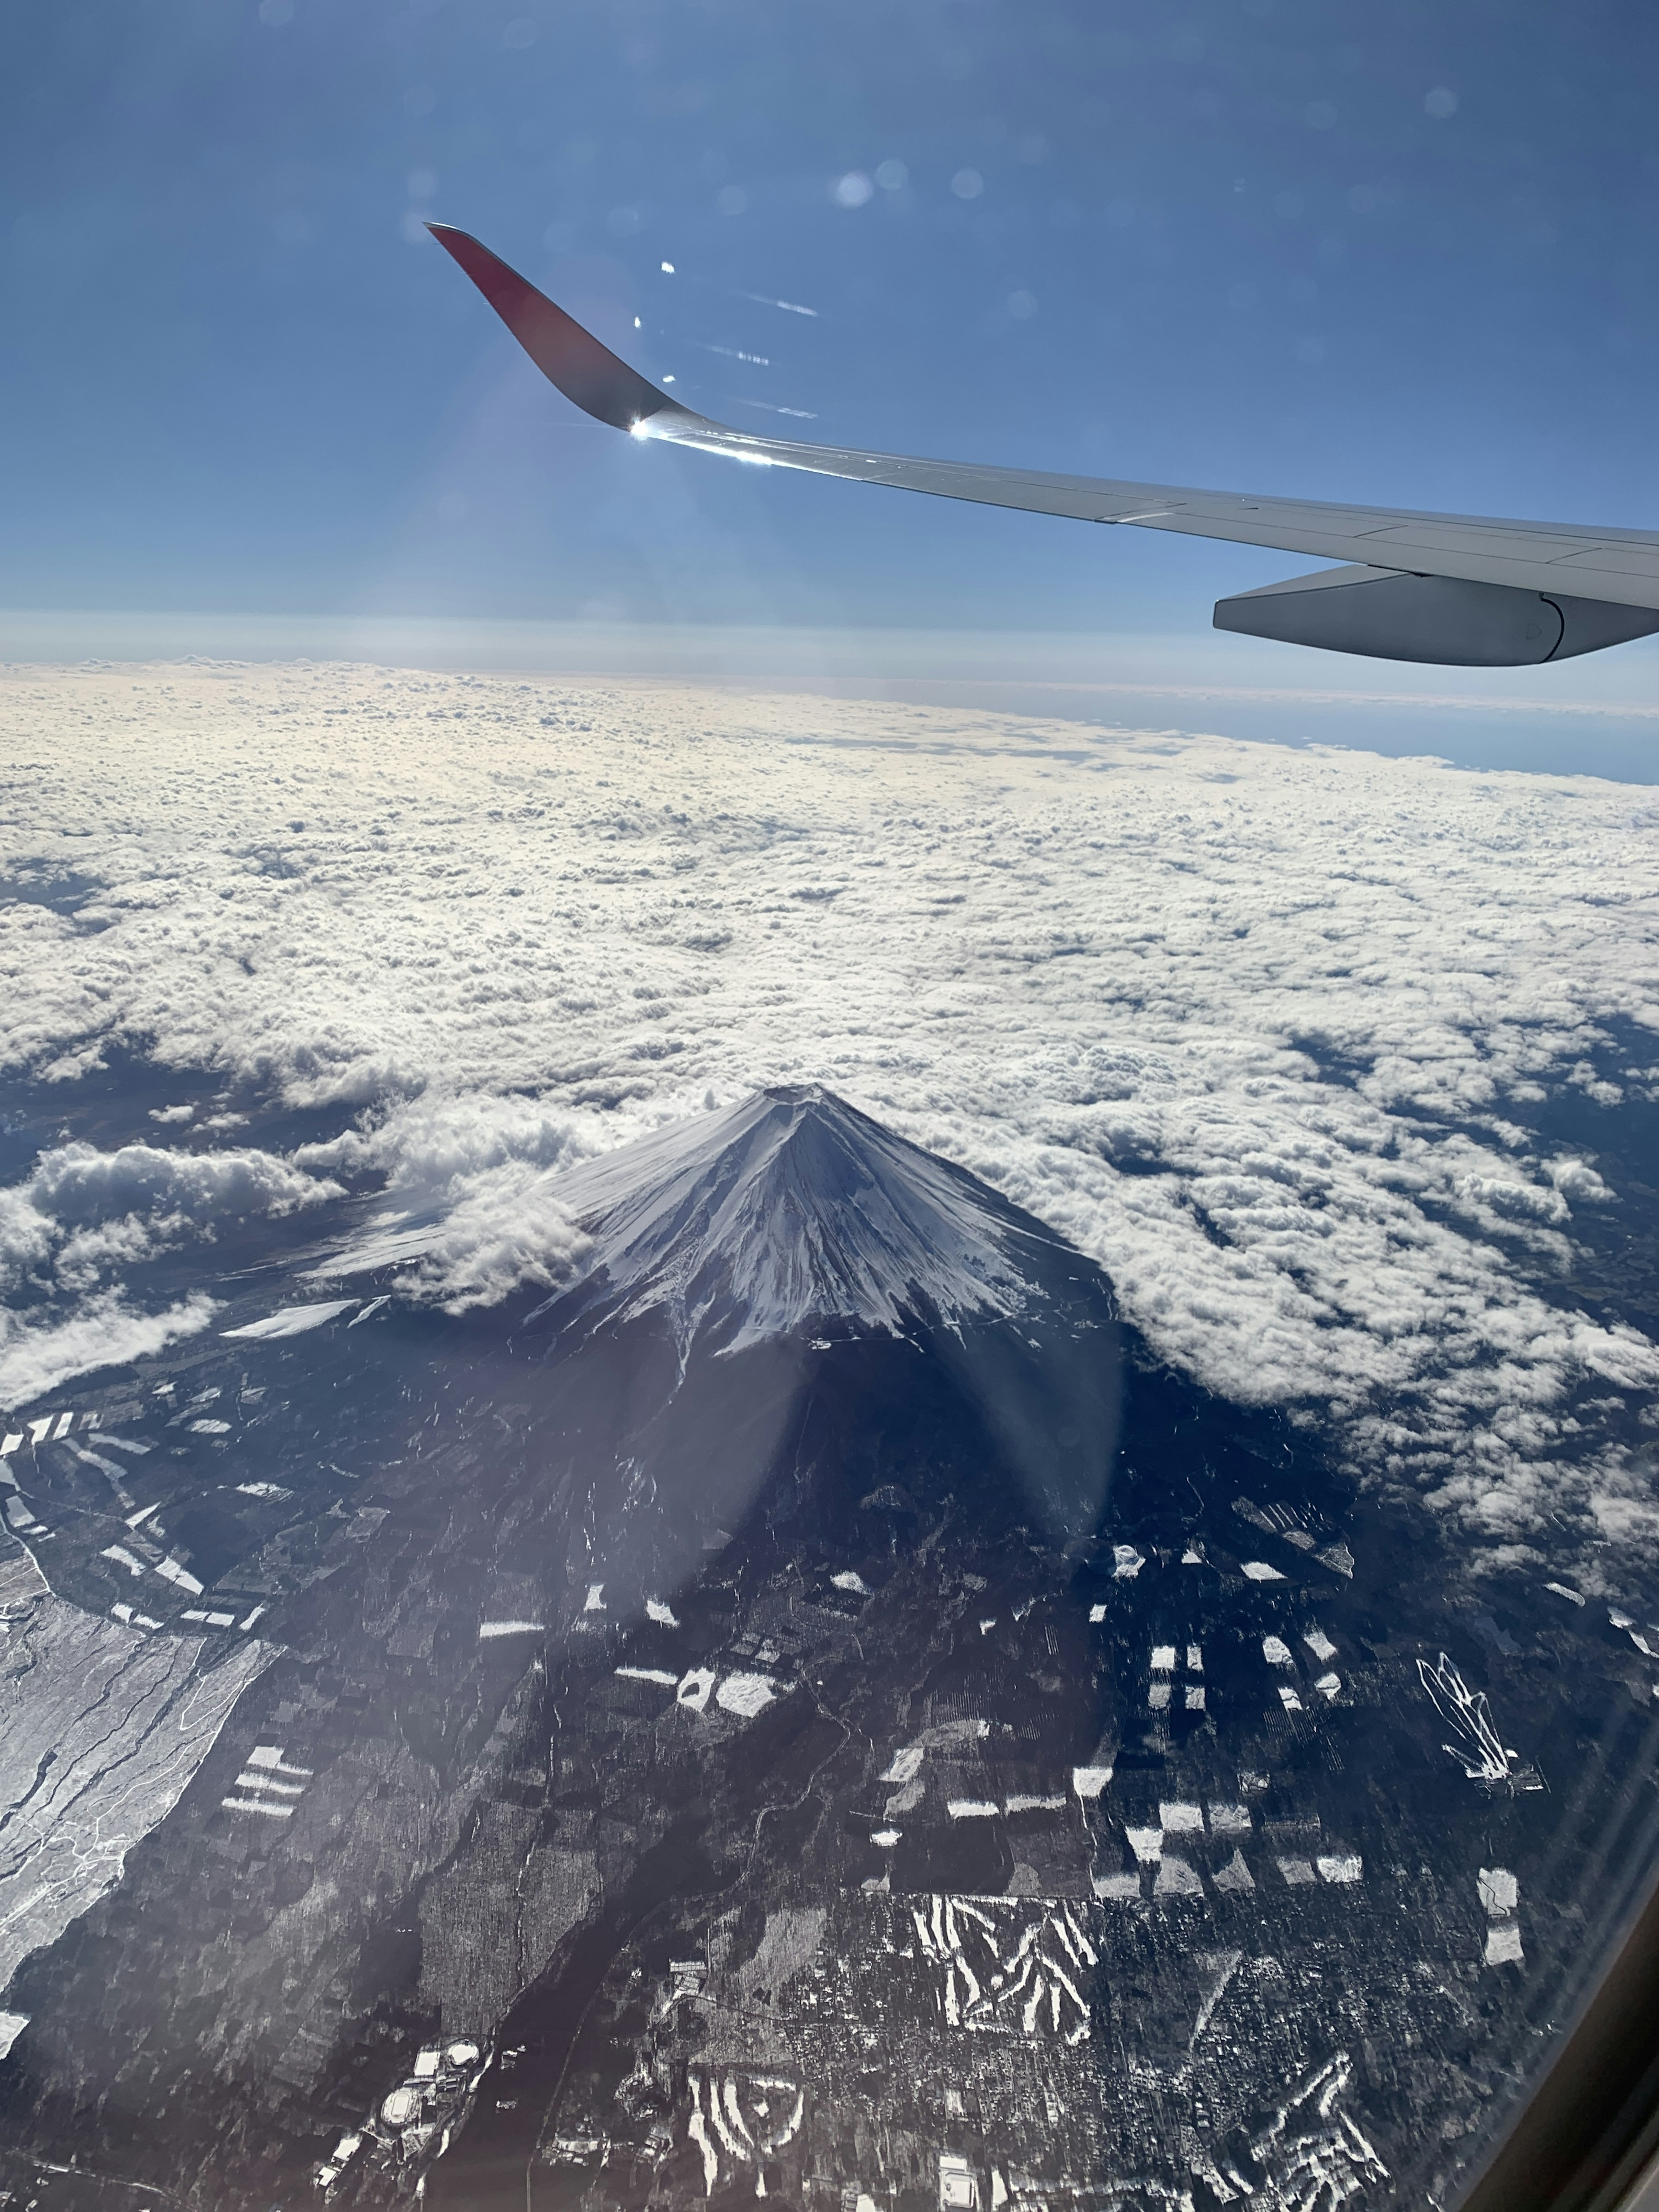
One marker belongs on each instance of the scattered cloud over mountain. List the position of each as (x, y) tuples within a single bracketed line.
[(475, 1170), (40, 1352), (497, 1232), (1280, 1037), (435, 1141)]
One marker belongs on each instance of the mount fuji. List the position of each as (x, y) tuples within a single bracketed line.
[(788, 1210), (795, 1210)]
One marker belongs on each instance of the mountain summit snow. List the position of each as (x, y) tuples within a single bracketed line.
[(738, 1227), (792, 1208)]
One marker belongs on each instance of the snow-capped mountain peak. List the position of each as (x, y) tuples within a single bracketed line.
[(789, 1208)]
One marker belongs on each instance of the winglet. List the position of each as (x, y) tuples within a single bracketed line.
[(566, 353)]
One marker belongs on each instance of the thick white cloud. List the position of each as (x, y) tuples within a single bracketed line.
[(480, 1165), (435, 1141), (1261, 1030), (83, 1214), (498, 1231), (40, 1352), (79, 1183)]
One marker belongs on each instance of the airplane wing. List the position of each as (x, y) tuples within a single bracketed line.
[(1448, 588)]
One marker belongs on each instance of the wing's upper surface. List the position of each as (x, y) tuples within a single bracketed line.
[(1620, 567)]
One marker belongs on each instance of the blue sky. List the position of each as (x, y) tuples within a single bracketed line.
[(1397, 252)]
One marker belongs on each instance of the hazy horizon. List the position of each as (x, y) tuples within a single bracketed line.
[(1597, 716)]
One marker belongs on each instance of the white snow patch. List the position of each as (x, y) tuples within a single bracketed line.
[(1258, 1570), (1320, 1644), (905, 1765), (487, 1630), (662, 1614), (112, 1468), (263, 1784), (268, 1757), (1127, 1562), (745, 1694), (1090, 1781), (291, 1320), (695, 1688), (1500, 1893), (1276, 1651)]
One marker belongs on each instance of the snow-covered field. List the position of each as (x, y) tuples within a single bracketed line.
[(1279, 1036)]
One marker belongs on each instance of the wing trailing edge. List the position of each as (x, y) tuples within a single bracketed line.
[(1455, 590)]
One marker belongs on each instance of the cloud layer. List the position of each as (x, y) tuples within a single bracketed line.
[(1278, 1036)]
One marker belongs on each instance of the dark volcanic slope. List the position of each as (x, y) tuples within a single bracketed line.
[(812, 1708)]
